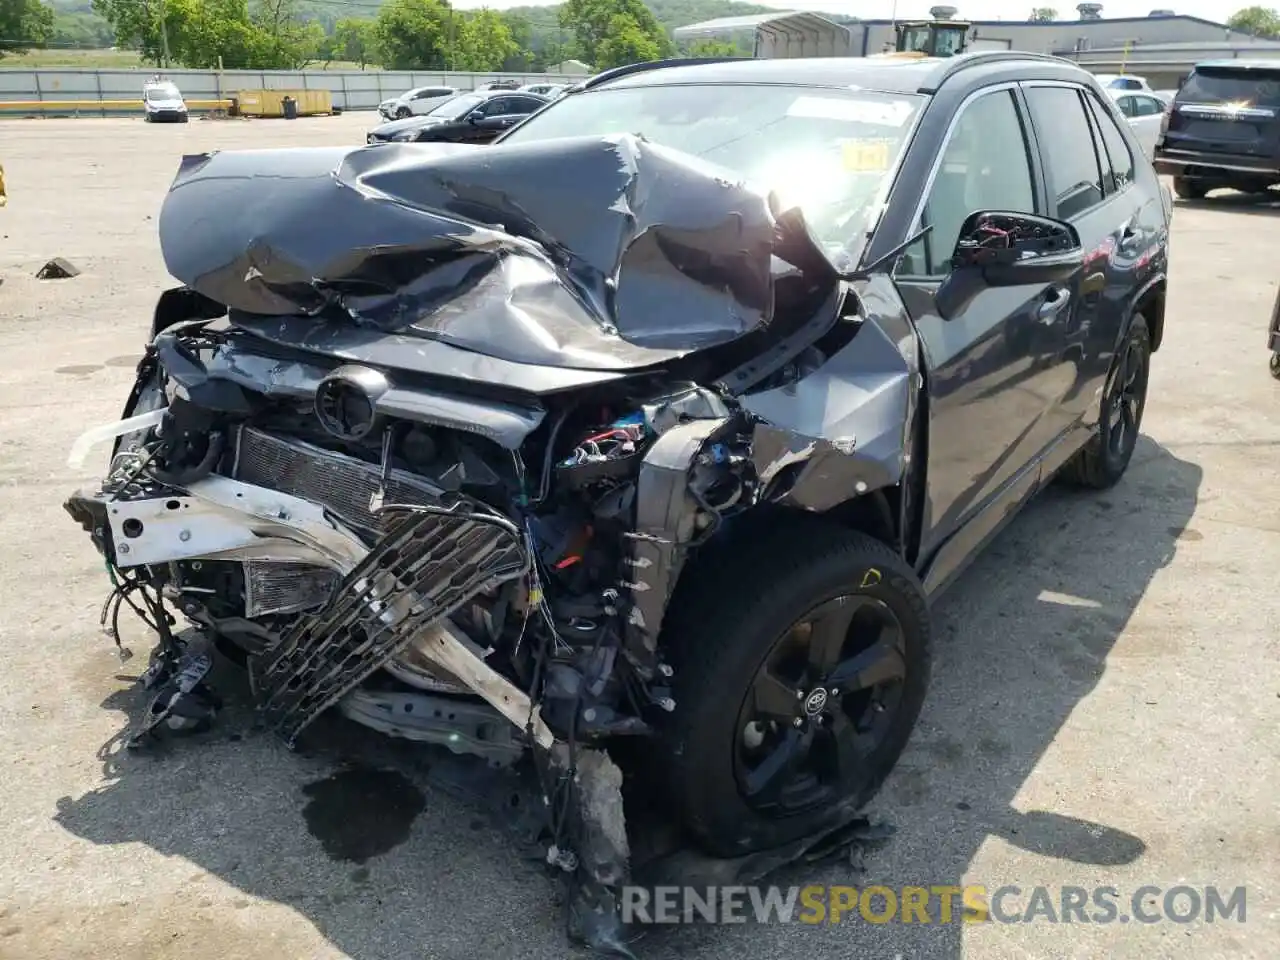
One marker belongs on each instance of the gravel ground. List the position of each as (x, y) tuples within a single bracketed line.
[(1104, 710)]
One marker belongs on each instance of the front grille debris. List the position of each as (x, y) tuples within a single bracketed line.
[(342, 485), (429, 563)]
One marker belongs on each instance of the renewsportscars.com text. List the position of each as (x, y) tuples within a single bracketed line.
[(938, 904)]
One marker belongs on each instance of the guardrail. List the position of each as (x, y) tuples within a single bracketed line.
[(97, 107), (103, 89)]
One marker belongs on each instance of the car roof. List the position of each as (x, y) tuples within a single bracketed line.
[(1241, 64), (490, 94), (889, 74)]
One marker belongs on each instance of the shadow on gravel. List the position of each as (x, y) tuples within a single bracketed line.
[(1021, 639)]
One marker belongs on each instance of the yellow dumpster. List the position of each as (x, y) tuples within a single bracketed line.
[(270, 103)]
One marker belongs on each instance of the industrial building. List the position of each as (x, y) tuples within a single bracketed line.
[(1166, 43)]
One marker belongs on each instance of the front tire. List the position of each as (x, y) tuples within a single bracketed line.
[(1103, 460), (404, 113), (1275, 365), (800, 674)]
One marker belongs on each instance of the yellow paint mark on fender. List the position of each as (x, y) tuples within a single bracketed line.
[(871, 578)]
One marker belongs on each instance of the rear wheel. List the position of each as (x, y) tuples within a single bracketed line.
[(1275, 365), (1189, 189), (1104, 459), (800, 675)]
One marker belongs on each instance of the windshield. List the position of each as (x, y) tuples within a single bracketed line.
[(1225, 85), (455, 108), (155, 94), (830, 152)]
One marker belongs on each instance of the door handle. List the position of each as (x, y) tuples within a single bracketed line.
[(1054, 301)]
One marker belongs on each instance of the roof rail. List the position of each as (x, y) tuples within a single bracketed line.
[(630, 68), (980, 58)]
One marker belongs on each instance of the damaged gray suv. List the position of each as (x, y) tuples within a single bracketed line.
[(657, 424)]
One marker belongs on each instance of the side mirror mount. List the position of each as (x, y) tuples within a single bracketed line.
[(999, 248)]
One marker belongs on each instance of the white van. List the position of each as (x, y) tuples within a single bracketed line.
[(162, 100)]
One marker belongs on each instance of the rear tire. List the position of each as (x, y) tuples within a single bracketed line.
[(731, 617), (1103, 460), (1275, 365), (1189, 189)]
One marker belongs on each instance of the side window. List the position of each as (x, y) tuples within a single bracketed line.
[(1108, 180), (525, 104), (1116, 149), (1075, 178), (1126, 106), (1149, 106), (985, 166)]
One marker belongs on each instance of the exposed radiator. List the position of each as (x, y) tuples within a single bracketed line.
[(341, 484), (274, 587)]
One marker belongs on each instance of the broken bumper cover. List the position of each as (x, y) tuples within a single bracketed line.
[(429, 562)]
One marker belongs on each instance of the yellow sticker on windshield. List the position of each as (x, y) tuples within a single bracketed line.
[(866, 156)]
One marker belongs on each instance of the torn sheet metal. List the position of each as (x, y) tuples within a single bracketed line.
[(838, 432), (599, 253)]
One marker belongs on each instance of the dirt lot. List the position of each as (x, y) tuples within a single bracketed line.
[(1105, 708)]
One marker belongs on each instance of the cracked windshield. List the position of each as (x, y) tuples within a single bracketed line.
[(827, 151)]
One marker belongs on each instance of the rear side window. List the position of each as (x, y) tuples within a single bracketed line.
[(1117, 161), (1232, 85), (1147, 107), (1075, 177)]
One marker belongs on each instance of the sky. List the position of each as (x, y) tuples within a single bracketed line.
[(972, 9)]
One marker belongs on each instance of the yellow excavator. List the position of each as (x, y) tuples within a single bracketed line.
[(928, 38)]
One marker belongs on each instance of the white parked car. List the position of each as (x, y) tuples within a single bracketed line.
[(162, 100), (1123, 81), (416, 102), (1145, 113), (551, 90)]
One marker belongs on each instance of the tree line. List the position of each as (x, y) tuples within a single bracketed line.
[(398, 35)]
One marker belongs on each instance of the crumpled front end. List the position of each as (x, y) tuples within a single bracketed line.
[(385, 503)]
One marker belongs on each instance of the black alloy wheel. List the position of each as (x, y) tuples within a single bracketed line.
[(801, 656), (1126, 398), (1102, 461), (820, 706)]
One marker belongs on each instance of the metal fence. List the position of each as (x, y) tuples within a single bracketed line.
[(351, 89)]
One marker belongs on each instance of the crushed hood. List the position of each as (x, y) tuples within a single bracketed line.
[(592, 253)]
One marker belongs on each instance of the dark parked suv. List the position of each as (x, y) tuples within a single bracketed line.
[(1223, 129), (659, 422)]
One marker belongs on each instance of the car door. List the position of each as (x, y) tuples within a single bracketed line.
[(990, 414), (1090, 171), (514, 109), (1145, 120), (488, 120)]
